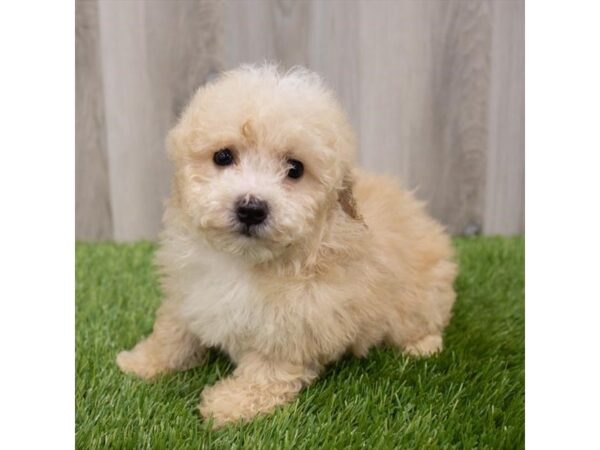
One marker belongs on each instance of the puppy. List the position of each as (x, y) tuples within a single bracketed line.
[(280, 253)]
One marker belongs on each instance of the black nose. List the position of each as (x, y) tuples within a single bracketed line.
[(252, 211)]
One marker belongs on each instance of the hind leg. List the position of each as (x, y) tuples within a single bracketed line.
[(425, 346), (421, 336)]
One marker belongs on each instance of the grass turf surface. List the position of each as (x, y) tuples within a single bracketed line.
[(469, 396)]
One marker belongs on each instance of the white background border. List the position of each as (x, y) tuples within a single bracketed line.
[(37, 340), (562, 224)]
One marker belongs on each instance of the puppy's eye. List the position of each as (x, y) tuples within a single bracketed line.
[(223, 157), (296, 168)]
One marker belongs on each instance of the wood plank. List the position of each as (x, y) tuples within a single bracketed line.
[(453, 166), (248, 36), (333, 44), (391, 84), (425, 93), (155, 54), (505, 188), (92, 198)]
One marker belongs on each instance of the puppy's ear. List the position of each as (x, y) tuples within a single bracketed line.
[(346, 198)]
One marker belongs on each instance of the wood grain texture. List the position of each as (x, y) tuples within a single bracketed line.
[(450, 167), (394, 65), (93, 218), (505, 179), (155, 54), (424, 85), (433, 88), (334, 43)]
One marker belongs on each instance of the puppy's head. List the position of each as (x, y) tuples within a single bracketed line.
[(261, 160)]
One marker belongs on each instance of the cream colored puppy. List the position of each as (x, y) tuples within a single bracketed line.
[(277, 251)]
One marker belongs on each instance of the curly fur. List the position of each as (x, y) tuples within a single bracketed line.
[(346, 260)]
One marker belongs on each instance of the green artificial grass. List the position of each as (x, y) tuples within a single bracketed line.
[(469, 396)]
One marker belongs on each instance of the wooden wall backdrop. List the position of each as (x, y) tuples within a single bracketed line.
[(434, 88)]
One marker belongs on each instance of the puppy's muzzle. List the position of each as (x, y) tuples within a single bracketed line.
[(251, 211)]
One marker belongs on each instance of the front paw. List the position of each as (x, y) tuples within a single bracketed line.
[(136, 363), (222, 402), (233, 400)]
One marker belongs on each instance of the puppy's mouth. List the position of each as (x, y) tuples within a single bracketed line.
[(250, 231), (255, 232)]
